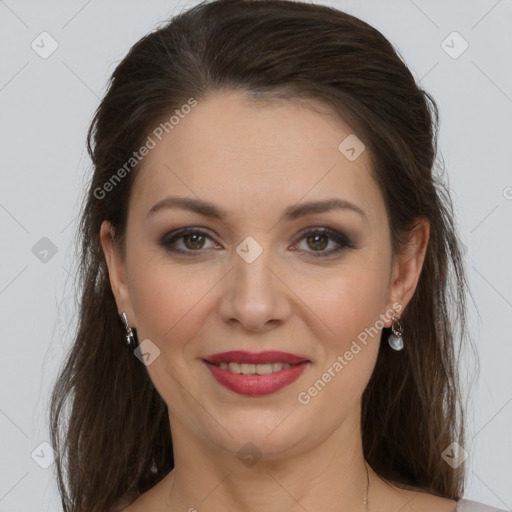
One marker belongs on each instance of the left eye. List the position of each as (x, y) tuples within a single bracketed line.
[(193, 241), (319, 238)]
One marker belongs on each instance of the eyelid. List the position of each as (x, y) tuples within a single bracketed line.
[(325, 230)]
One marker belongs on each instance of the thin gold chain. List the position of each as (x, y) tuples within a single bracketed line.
[(365, 499)]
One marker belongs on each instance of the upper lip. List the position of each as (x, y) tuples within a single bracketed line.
[(269, 356)]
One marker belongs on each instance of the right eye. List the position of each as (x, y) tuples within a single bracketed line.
[(191, 241)]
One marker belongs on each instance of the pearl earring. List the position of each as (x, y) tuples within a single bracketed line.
[(395, 340)]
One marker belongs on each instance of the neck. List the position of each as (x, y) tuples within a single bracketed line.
[(333, 477)]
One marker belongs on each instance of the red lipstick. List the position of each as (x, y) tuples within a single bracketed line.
[(253, 384)]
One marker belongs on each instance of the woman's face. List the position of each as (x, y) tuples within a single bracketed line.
[(254, 280)]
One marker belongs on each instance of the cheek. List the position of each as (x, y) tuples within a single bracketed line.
[(170, 305), (353, 299), (351, 306), (167, 301)]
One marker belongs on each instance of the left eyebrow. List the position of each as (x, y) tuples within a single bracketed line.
[(290, 213), (312, 207)]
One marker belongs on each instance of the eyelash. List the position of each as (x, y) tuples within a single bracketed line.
[(342, 240)]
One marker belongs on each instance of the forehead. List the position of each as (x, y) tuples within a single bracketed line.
[(243, 153)]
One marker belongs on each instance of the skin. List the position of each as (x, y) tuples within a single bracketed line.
[(254, 159)]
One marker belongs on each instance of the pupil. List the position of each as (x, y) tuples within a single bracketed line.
[(195, 244), (315, 238)]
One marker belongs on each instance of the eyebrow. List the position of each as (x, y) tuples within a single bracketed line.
[(290, 213)]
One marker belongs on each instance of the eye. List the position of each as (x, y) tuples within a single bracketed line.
[(192, 240), (319, 238)]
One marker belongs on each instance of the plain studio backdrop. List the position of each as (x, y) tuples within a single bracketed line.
[(56, 58)]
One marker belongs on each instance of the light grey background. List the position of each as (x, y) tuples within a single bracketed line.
[(46, 106)]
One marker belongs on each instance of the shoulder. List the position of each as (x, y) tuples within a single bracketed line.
[(152, 499), (475, 506), (411, 499), (389, 495), (425, 502)]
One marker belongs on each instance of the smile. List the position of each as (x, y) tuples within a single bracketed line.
[(254, 369), (256, 374)]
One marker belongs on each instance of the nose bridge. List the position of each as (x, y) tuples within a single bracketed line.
[(256, 295), (252, 274)]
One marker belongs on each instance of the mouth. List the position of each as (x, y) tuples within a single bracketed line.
[(253, 369), (256, 374)]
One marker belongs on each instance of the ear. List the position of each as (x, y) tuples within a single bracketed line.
[(116, 271), (407, 266)]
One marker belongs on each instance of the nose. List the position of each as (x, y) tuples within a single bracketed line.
[(255, 295)]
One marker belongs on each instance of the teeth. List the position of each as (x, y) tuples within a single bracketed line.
[(251, 369)]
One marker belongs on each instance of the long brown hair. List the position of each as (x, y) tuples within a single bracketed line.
[(108, 423)]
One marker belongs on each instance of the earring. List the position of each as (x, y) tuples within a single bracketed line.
[(129, 338), (395, 340)]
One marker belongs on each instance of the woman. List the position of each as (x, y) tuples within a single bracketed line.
[(266, 233)]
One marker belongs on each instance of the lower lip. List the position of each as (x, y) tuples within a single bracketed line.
[(257, 385)]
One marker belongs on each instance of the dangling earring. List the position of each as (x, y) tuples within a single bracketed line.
[(395, 340), (129, 338)]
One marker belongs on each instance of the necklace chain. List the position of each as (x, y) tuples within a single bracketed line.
[(365, 499)]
